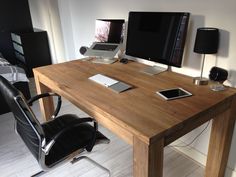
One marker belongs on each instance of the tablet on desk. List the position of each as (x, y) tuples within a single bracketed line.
[(174, 93)]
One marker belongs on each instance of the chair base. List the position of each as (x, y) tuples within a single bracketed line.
[(76, 159), (39, 174)]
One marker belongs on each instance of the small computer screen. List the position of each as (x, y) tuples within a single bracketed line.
[(109, 30)]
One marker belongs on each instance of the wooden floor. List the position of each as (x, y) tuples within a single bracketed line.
[(16, 160)]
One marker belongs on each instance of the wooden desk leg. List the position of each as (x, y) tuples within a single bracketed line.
[(46, 104), (220, 141), (148, 159)]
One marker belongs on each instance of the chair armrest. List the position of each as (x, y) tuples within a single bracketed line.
[(43, 95), (50, 144), (93, 141)]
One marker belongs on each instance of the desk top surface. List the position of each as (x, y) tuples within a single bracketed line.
[(140, 109)]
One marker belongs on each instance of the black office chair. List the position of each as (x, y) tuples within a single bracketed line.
[(54, 141)]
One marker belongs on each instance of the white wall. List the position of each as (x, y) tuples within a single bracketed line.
[(45, 15), (78, 25), (214, 13)]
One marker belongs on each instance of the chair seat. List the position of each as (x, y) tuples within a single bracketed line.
[(76, 138)]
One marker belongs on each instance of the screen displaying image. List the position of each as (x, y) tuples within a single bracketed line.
[(102, 30), (109, 30)]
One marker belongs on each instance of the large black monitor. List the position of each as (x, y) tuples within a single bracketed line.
[(157, 36)]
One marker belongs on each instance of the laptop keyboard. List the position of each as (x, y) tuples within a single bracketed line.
[(105, 47)]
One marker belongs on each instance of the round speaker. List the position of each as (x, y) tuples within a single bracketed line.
[(218, 74), (83, 49)]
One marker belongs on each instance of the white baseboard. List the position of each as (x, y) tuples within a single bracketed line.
[(198, 156), (190, 152), (230, 173)]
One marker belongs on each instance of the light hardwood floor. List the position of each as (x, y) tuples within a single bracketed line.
[(16, 160)]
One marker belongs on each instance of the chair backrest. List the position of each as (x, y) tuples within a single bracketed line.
[(26, 124)]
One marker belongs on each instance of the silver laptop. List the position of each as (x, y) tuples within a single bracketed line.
[(103, 50)]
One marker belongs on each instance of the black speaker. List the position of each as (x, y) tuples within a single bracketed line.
[(83, 49), (218, 74)]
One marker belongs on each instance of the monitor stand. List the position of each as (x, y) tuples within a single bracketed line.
[(103, 60), (152, 70)]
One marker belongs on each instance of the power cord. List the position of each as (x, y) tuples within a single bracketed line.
[(193, 139)]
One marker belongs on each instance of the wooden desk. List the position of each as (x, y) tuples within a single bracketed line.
[(139, 116)]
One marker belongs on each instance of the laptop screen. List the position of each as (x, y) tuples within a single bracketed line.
[(109, 30)]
